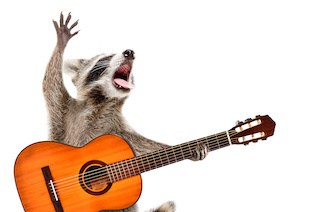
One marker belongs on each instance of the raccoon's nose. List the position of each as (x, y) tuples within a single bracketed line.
[(129, 54)]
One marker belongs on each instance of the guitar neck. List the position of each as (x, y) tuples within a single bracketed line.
[(163, 157)]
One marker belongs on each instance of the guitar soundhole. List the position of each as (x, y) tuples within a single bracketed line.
[(93, 178)]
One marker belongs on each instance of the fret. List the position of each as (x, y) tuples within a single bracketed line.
[(181, 152), (174, 154), (207, 143), (159, 155), (108, 173), (124, 171), (228, 136), (190, 150), (137, 165), (116, 165), (155, 163), (150, 168), (115, 172), (167, 156), (217, 141), (129, 170), (134, 170), (118, 170), (143, 168)]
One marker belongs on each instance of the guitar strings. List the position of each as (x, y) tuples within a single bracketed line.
[(141, 156), (113, 169), (98, 172), (102, 176), (105, 174), (75, 184)]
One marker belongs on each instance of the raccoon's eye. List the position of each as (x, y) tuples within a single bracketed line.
[(98, 69), (95, 73)]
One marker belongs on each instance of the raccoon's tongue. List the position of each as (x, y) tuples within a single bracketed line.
[(123, 83)]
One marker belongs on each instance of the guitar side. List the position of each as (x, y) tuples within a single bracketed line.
[(47, 176)]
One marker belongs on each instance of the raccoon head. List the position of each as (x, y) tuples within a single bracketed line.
[(103, 76)]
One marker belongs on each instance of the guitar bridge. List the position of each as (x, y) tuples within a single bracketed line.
[(51, 189)]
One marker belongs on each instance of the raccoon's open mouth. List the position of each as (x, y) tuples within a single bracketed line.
[(121, 77)]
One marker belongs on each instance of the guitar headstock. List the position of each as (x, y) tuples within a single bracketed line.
[(252, 130)]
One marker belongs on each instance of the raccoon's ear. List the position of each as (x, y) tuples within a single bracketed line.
[(73, 67)]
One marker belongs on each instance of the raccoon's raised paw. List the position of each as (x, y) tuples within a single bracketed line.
[(200, 152), (63, 31), (165, 207)]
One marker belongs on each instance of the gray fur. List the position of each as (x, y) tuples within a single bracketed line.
[(166, 207)]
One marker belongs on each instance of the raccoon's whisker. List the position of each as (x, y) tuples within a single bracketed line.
[(102, 63), (98, 68), (103, 72)]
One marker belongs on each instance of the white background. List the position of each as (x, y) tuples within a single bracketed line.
[(200, 66)]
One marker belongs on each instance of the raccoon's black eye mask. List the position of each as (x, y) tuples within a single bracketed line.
[(98, 69)]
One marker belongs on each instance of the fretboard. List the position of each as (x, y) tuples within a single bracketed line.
[(163, 157)]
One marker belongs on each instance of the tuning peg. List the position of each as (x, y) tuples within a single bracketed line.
[(255, 141), (249, 119), (246, 144), (257, 116), (239, 122), (264, 139)]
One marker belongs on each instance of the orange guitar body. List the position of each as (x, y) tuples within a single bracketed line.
[(40, 162)]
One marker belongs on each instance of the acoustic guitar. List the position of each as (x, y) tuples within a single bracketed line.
[(105, 173)]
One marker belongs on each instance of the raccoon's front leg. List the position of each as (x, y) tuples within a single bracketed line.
[(200, 152), (55, 93)]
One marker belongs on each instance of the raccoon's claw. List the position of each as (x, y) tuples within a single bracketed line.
[(63, 31), (200, 152)]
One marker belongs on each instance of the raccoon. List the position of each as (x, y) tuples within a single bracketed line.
[(103, 84)]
